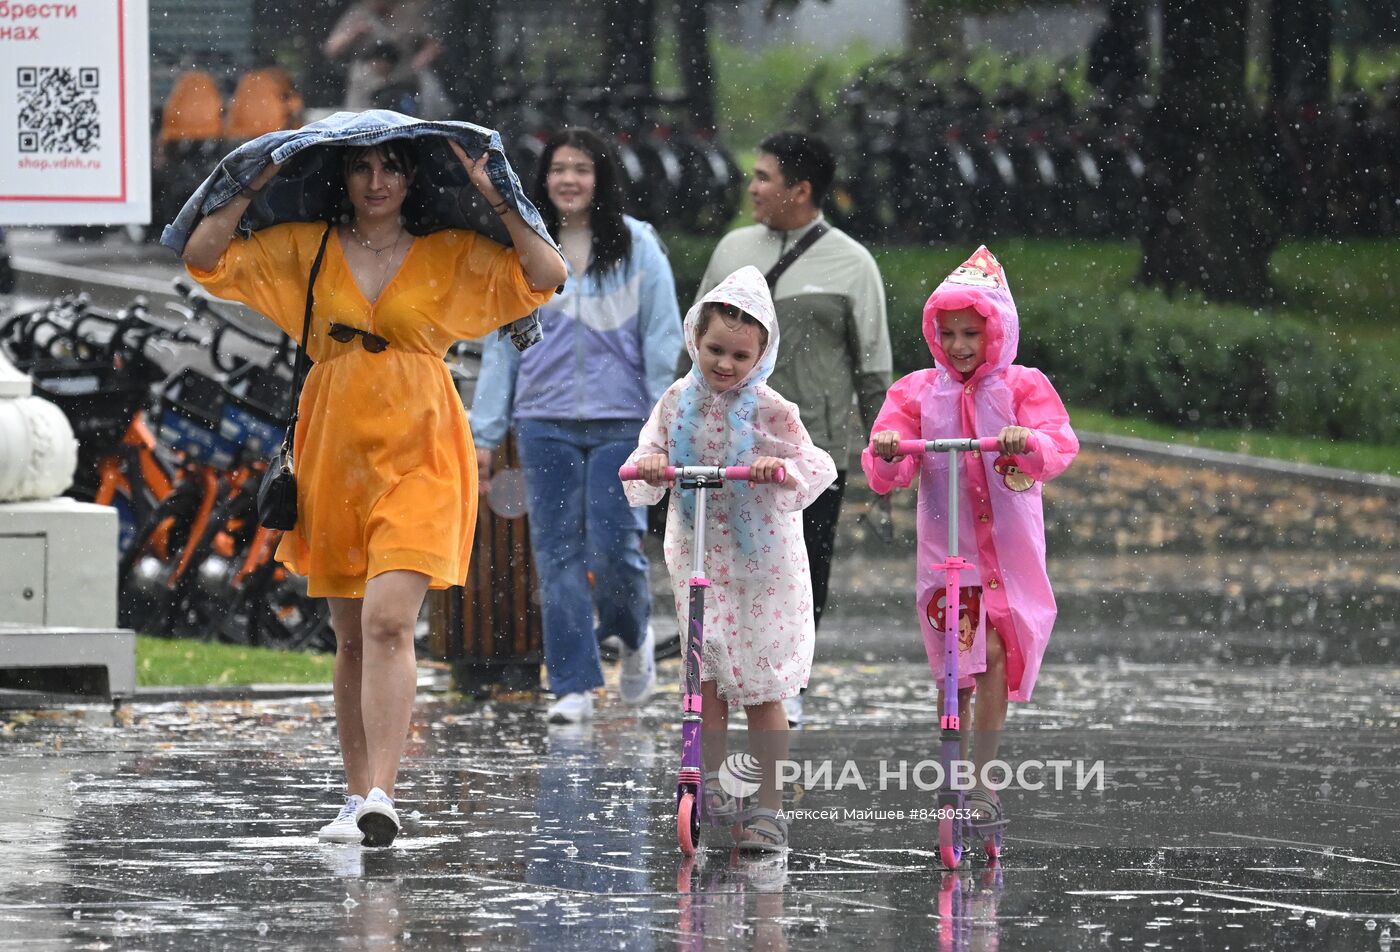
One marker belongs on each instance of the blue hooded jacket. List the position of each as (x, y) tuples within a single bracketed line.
[(609, 351)]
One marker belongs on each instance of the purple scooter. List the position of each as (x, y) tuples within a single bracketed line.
[(690, 781)]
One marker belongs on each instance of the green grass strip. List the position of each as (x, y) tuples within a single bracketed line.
[(162, 662)]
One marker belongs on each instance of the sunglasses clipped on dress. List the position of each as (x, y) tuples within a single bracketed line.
[(344, 333)]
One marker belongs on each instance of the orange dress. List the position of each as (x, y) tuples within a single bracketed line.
[(386, 470)]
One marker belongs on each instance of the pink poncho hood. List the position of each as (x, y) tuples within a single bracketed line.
[(979, 283)]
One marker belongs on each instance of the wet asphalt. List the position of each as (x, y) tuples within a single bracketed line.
[(1241, 808)]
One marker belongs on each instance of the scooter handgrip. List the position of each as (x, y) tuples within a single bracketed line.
[(742, 473), (629, 473), (989, 444)]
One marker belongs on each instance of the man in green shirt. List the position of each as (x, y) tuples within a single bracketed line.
[(831, 309)]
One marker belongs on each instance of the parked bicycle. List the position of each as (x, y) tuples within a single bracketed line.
[(179, 455)]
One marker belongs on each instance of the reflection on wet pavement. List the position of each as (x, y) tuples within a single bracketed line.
[(1247, 808)]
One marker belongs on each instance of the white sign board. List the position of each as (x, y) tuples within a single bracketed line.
[(75, 145)]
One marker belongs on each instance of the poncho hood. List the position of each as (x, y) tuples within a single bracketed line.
[(978, 283), (747, 290)]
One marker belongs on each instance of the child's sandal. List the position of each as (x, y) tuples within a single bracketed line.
[(721, 806), (765, 831)]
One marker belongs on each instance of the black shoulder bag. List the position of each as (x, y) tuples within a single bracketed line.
[(277, 495), (795, 252)]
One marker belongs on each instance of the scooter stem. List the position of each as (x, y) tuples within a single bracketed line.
[(952, 604)]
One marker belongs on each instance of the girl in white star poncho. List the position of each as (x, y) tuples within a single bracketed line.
[(759, 631)]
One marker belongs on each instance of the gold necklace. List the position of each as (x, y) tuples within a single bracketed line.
[(384, 272), (369, 247)]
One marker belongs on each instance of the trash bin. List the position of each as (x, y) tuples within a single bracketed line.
[(489, 630)]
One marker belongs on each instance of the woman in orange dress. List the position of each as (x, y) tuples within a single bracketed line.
[(386, 471)]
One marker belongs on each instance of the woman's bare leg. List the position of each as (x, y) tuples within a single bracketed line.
[(349, 672), (390, 672)]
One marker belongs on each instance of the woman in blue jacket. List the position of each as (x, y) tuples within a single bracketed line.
[(578, 401)]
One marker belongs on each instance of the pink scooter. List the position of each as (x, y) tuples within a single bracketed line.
[(953, 824), (690, 781)]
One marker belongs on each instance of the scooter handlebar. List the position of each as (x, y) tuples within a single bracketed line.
[(727, 473), (986, 444)]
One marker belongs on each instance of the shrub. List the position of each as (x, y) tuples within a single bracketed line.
[(1181, 361)]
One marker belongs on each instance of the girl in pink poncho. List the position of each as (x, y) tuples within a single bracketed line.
[(759, 631), (974, 389)]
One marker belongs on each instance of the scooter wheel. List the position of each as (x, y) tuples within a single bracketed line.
[(687, 825), (950, 842)]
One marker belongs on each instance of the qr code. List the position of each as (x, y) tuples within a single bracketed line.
[(58, 109)]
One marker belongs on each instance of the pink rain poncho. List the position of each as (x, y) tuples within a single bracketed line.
[(759, 631), (1001, 531)]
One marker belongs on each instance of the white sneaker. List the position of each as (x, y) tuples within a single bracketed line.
[(571, 708), (377, 819), (343, 829), (638, 679), (792, 707)]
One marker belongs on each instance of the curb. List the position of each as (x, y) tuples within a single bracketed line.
[(428, 681), (1177, 452), (137, 283), (176, 693)]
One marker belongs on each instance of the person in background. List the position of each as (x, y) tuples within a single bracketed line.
[(831, 304), (388, 43), (578, 401)]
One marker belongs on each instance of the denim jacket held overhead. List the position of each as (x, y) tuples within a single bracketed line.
[(310, 185), (609, 351)]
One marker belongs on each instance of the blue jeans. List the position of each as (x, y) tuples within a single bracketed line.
[(580, 522)]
